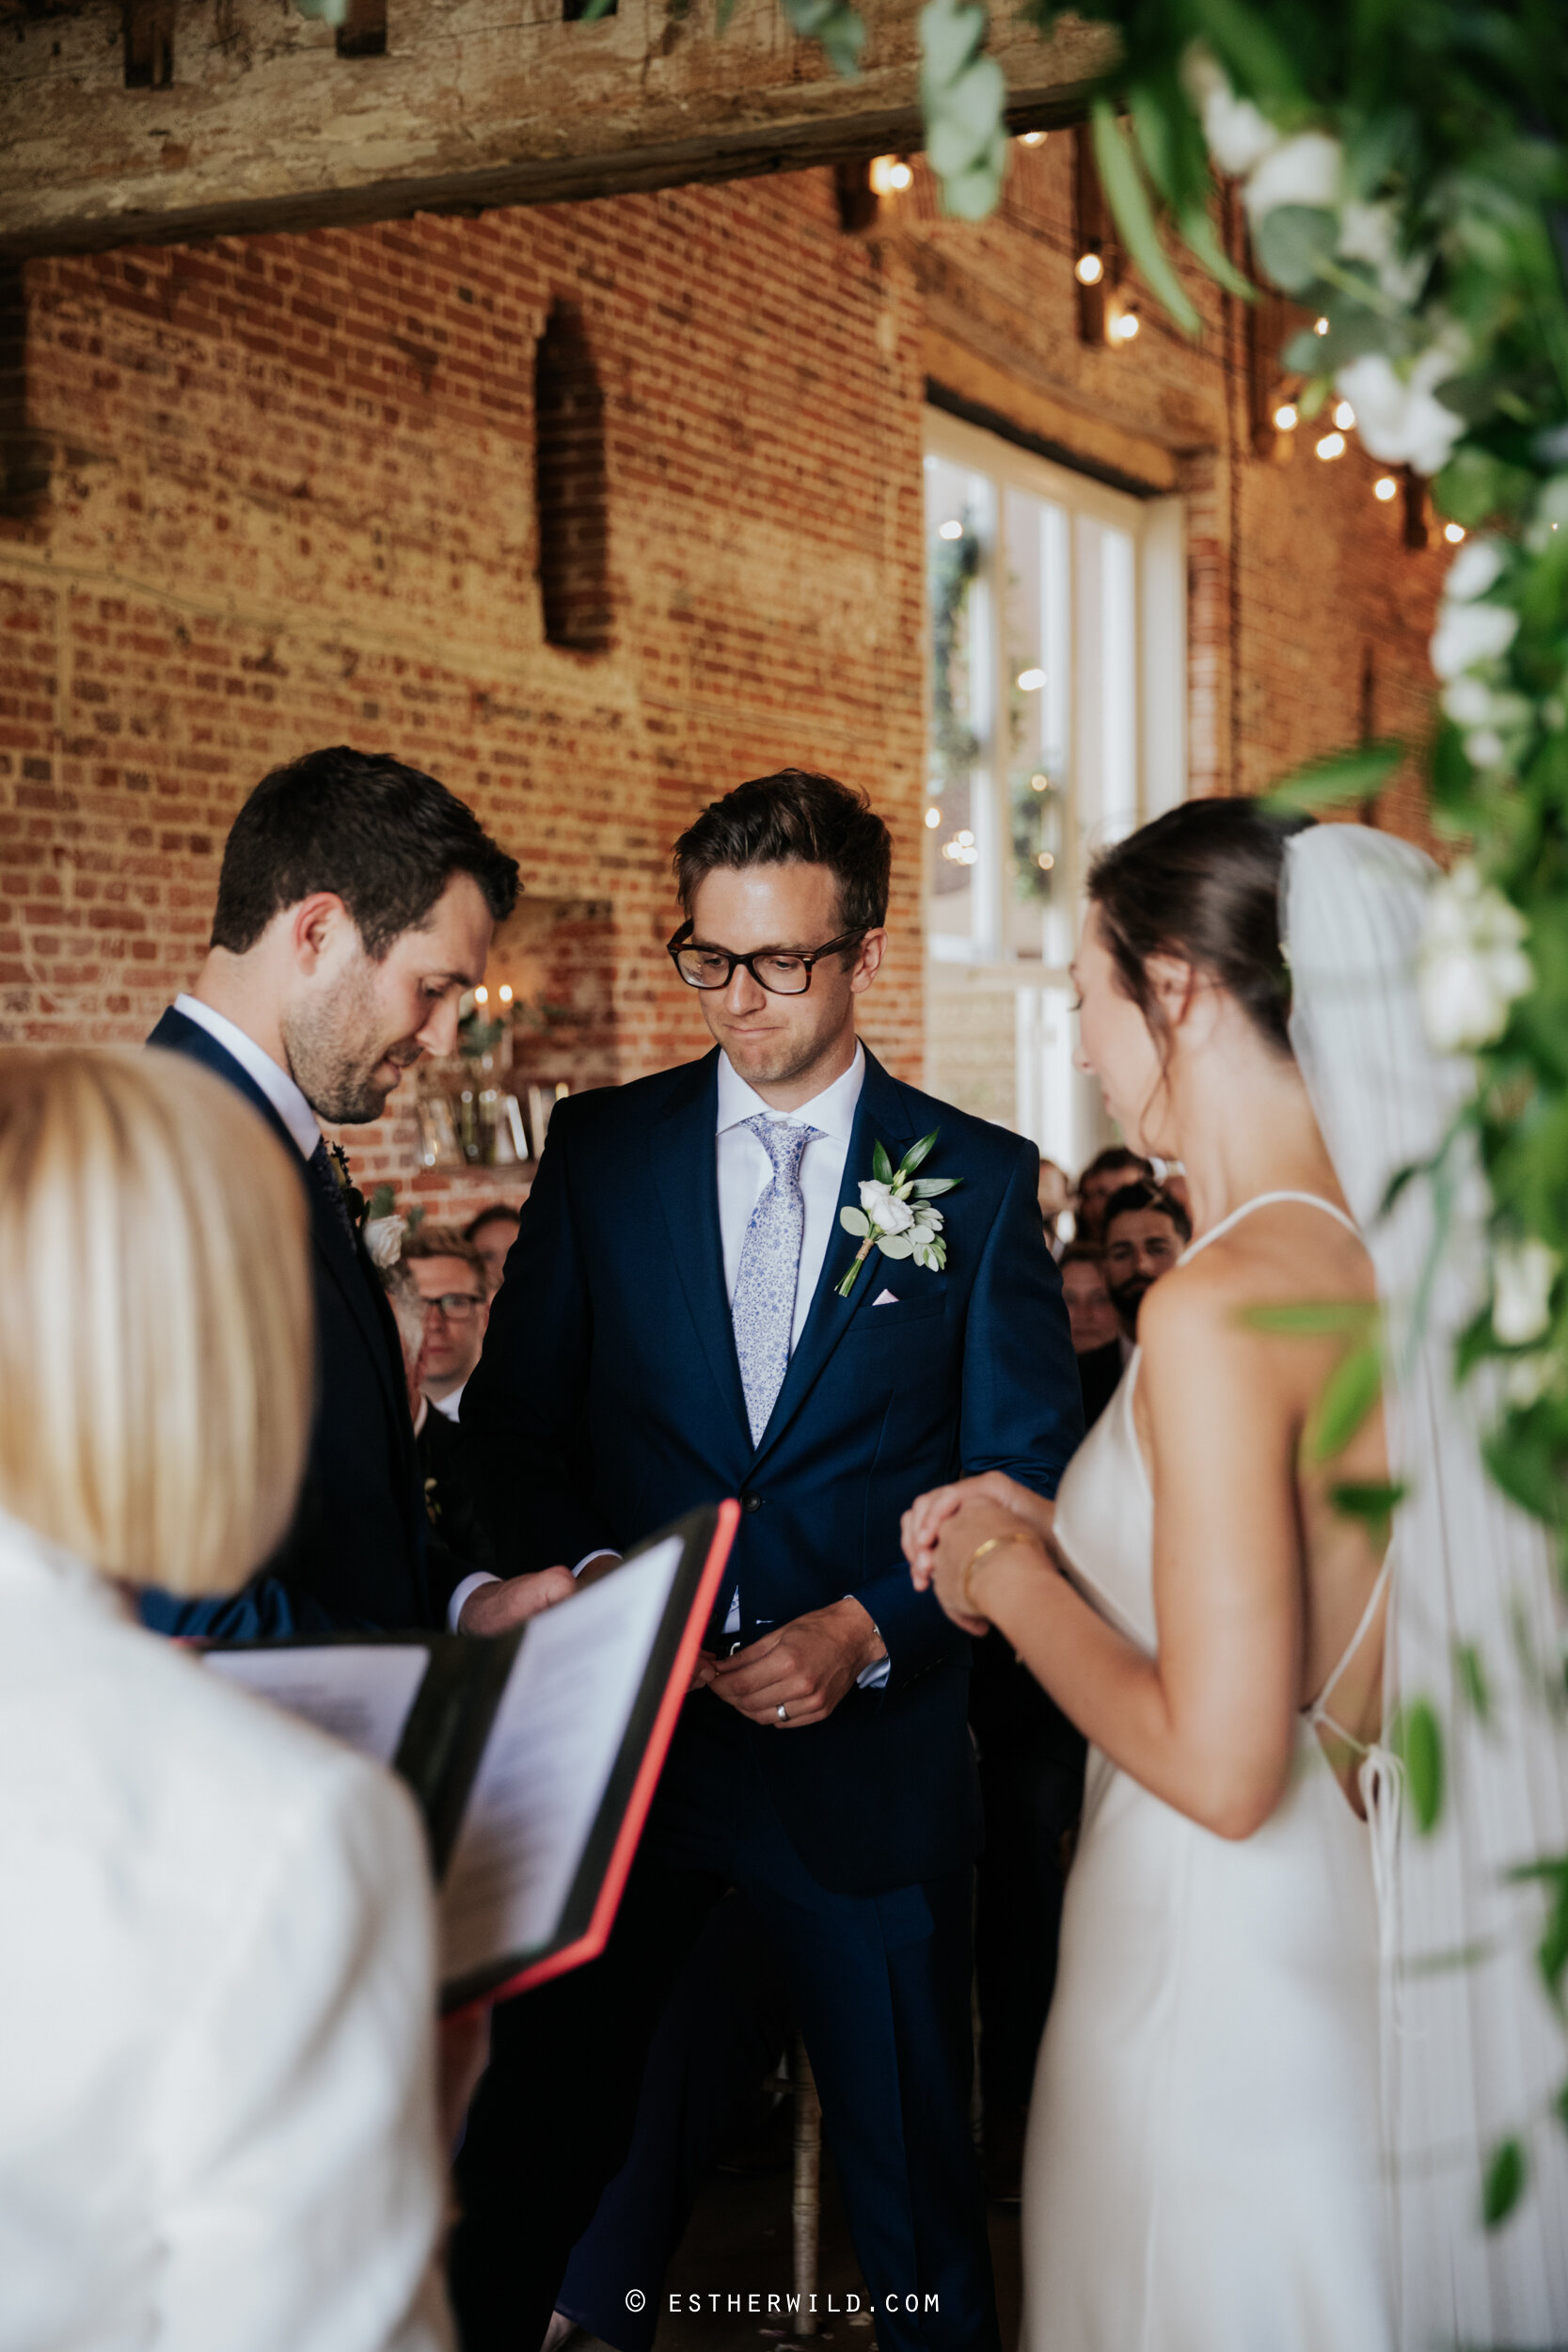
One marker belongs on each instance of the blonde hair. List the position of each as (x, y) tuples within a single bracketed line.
[(156, 1335)]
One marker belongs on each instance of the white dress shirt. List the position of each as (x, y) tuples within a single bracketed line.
[(745, 1171), (451, 1404), (218, 1988), (271, 1076)]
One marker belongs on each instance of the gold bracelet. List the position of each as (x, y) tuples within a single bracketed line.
[(992, 1543)]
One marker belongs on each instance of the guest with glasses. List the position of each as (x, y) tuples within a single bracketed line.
[(453, 1279)]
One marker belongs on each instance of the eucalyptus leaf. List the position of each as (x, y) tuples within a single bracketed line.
[(951, 35), (1127, 197), (896, 1244), (1292, 243), (855, 1221), (1312, 1318), (1417, 1737), (1354, 775), (1373, 1502), (1504, 2183), (1353, 1389), (1471, 1671), (881, 1166)]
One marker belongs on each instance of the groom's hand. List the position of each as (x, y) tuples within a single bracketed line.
[(805, 1667), (496, 1608)]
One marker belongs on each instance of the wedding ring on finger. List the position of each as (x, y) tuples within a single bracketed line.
[(781, 1714)]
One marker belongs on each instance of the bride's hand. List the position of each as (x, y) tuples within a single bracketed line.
[(923, 1520), (974, 1518)]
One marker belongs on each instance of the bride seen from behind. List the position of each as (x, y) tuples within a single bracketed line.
[(1203, 2163)]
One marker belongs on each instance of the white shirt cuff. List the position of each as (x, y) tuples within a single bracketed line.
[(473, 1583), (874, 1677), (469, 1585)]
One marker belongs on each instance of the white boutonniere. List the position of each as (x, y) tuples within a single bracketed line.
[(895, 1214)]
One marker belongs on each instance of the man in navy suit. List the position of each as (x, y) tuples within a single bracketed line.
[(356, 903), (671, 1329)]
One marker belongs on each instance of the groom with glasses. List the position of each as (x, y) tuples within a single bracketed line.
[(677, 1325)]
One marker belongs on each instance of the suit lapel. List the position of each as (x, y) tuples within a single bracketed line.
[(685, 1159), (879, 1118), (334, 1250)]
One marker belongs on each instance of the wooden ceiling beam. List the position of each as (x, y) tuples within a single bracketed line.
[(264, 120)]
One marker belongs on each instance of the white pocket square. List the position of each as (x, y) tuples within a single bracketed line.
[(887, 1298)]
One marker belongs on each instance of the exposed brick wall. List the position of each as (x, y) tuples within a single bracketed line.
[(291, 501)]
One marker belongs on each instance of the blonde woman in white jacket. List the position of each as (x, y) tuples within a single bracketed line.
[(217, 2114)]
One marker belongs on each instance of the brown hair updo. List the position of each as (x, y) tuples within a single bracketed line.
[(1202, 882)]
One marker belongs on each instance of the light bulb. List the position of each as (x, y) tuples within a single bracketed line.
[(1332, 445), (933, 819), (1045, 861), (1032, 138), (890, 175), (951, 531), (965, 840), (482, 996), (1319, 326), (1344, 415), (1386, 487), (1126, 326), (1453, 533), (1042, 784), (1088, 269), (1030, 681), (1285, 417), (506, 991)]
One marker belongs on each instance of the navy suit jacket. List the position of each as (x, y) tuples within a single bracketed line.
[(608, 1399), (355, 1555)]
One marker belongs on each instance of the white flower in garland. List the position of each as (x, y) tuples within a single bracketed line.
[(1237, 135), (1306, 170), (1523, 1273), (1471, 963), (1398, 414)]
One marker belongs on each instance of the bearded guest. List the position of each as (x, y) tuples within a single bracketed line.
[(355, 904), (1109, 1172), (1145, 1231)]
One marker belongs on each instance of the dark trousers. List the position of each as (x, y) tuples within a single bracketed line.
[(725, 2027), (881, 1986)]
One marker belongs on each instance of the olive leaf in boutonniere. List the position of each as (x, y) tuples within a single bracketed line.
[(895, 1214)]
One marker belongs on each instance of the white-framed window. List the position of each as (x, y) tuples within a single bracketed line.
[(1057, 701)]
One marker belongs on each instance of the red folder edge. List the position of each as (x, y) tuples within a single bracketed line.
[(596, 1935)]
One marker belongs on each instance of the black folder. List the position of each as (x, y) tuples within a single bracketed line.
[(534, 1756)]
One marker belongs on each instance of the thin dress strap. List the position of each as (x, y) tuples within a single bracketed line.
[(1317, 1712), (1264, 1201)]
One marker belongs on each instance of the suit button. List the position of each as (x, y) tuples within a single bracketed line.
[(751, 1503)]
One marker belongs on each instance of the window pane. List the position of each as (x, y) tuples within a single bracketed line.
[(1118, 673), (960, 535), (1038, 687)]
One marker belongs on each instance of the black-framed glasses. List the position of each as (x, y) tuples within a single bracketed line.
[(454, 1305), (781, 971)]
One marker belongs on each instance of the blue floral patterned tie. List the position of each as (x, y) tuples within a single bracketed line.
[(763, 1307)]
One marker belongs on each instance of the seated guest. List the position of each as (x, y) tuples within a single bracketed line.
[(458, 1550), (1107, 1173), (355, 904), (217, 1972), (493, 1233), (1145, 1231), (451, 1277), (1096, 1332)]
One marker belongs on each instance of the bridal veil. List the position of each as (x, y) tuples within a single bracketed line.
[(1474, 2054)]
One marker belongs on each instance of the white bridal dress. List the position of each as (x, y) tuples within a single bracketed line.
[(1202, 2172), (1277, 2071)]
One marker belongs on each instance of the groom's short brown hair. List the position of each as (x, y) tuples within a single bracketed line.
[(794, 818)]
